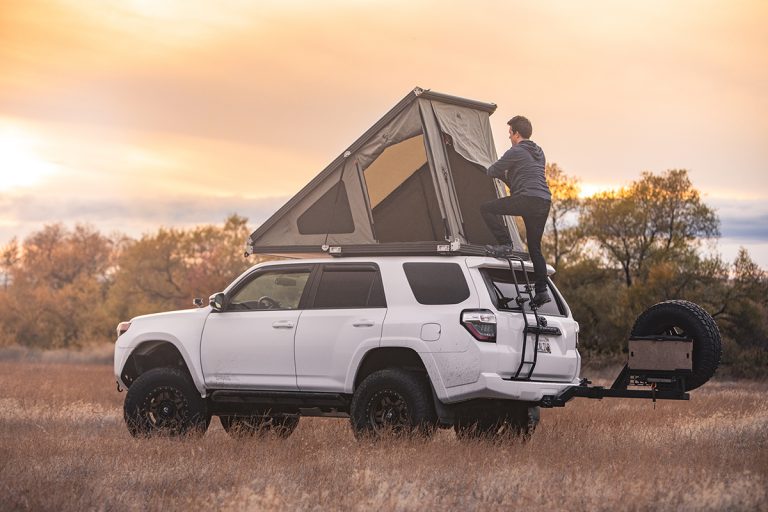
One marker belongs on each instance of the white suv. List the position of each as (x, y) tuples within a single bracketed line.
[(394, 343)]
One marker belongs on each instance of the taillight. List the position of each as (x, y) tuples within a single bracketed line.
[(480, 323)]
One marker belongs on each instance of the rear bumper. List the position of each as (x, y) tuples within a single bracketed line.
[(491, 385)]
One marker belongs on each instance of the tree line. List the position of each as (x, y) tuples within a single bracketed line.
[(616, 253)]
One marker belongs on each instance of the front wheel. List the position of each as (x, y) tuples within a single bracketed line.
[(165, 401), (392, 401)]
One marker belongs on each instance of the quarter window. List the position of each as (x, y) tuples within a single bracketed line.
[(437, 283)]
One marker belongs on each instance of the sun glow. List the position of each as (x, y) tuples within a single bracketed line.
[(20, 165), (590, 189)]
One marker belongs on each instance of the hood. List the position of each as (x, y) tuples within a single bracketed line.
[(178, 313), (533, 149)]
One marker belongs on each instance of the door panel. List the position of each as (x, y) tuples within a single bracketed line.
[(250, 349), (251, 344), (345, 314), (326, 340)]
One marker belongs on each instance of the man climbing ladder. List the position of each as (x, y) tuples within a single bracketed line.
[(522, 169)]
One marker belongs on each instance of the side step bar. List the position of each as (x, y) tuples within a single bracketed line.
[(246, 402)]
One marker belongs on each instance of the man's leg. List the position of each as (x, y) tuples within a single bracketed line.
[(535, 218), (492, 212)]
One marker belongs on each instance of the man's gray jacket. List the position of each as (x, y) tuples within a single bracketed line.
[(522, 169)]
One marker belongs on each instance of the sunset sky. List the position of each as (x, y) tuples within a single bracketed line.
[(132, 114)]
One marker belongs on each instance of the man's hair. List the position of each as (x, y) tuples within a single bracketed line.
[(522, 126)]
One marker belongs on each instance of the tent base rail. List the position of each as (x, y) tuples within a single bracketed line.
[(433, 248)]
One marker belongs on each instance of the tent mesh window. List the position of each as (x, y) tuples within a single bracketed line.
[(330, 214), (402, 195), (473, 188)]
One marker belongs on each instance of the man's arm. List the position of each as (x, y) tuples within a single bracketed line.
[(502, 165)]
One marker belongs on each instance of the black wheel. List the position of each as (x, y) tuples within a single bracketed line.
[(689, 321), (392, 401), (259, 425), (514, 419), (165, 401)]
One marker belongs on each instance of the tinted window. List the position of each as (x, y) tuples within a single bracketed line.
[(437, 283), (349, 287), (500, 281), (276, 289)]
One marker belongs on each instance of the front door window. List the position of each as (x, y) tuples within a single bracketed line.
[(278, 289)]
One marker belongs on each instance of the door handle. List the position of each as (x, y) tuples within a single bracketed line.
[(363, 323), (283, 324)]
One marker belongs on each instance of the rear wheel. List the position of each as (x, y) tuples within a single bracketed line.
[(259, 425), (392, 401), (688, 321), (165, 401)]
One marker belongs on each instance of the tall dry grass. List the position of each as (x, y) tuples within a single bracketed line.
[(63, 446)]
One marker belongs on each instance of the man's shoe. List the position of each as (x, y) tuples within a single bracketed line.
[(499, 250), (540, 299)]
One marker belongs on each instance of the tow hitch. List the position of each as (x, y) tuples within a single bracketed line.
[(657, 369)]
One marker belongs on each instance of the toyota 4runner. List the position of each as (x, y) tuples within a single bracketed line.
[(398, 344)]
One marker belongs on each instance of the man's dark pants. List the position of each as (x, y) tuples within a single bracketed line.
[(534, 211)]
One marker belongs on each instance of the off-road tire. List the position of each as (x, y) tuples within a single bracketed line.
[(513, 420), (259, 425), (164, 401), (689, 320), (393, 401)]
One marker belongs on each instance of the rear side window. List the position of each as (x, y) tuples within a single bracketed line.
[(437, 283), (501, 282), (345, 286)]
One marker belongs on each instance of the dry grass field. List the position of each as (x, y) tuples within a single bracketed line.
[(63, 446)]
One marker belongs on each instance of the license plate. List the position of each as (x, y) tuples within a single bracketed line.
[(544, 347)]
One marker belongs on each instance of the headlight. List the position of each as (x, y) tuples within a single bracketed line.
[(122, 327)]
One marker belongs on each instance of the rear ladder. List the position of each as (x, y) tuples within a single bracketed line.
[(520, 300)]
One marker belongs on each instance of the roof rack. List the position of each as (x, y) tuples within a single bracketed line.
[(432, 248)]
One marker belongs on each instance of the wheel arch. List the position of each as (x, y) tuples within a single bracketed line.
[(157, 353), (388, 357)]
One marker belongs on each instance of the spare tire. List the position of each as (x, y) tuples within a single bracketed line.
[(687, 320)]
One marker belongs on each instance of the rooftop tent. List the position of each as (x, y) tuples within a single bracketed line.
[(412, 184)]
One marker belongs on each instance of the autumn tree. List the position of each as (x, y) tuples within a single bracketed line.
[(58, 288), (10, 255), (563, 234), (654, 219), (167, 269)]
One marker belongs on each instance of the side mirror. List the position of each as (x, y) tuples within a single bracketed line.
[(218, 301), (198, 302)]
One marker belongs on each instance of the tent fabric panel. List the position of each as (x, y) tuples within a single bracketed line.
[(329, 214), (410, 213), (404, 126), (470, 130), (439, 169), (286, 231), (473, 188), (393, 167)]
